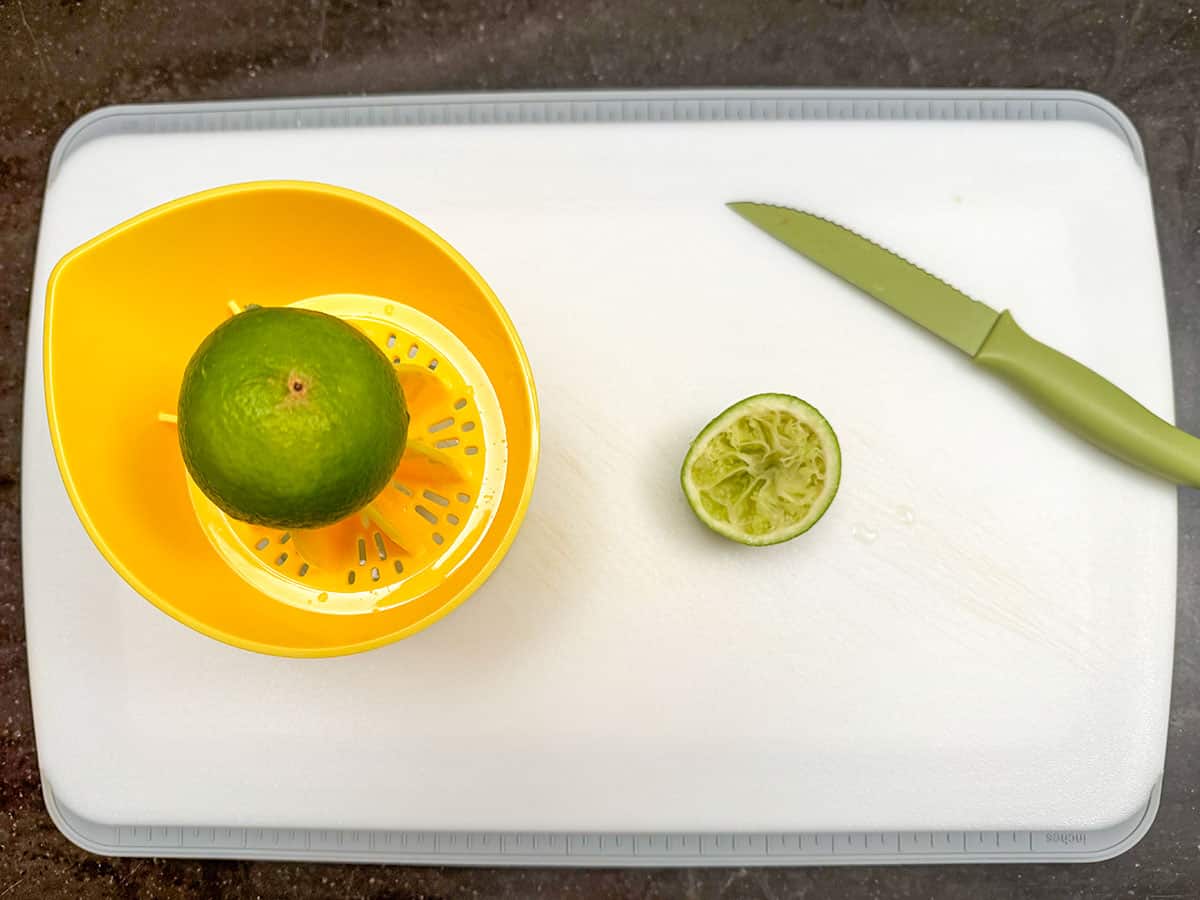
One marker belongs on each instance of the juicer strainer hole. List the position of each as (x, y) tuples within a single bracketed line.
[(391, 341), (460, 403), (441, 425), (303, 570), (464, 498), (396, 360), (471, 451), (452, 519), (433, 364), (446, 442), (379, 548), (438, 539), (281, 559), (285, 537), (468, 426), (362, 552), (435, 498), (426, 515), (374, 574), (399, 567), (404, 489), (412, 351), (350, 576), (262, 544)]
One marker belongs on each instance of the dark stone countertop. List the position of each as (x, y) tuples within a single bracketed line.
[(61, 59)]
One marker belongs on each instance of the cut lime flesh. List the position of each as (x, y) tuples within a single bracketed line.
[(763, 471)]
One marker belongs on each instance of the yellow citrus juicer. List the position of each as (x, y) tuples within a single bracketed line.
[(125, 312)]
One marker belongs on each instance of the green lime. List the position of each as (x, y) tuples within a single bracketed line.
[(290, 418), (763, 471)]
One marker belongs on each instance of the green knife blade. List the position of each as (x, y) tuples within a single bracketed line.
[(906, 288), (1080, 399)]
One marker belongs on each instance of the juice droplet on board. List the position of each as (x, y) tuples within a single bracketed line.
[(864, 533)]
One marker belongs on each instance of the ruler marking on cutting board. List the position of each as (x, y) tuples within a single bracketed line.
[(585, 107), (548, 848)]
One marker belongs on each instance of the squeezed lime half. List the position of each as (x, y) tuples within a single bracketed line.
[(763, 471)]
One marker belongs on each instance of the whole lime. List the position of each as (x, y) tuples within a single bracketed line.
[(290, 418)]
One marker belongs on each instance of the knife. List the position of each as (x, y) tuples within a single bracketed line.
[(1087, 404)]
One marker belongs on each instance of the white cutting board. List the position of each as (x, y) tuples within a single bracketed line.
[(998, 656)]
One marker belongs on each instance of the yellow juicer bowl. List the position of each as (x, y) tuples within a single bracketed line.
[(125, 312)]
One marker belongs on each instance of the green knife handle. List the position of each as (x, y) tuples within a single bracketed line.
[(1094, 408)]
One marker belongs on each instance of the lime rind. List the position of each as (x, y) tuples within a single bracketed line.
[(764, 470)]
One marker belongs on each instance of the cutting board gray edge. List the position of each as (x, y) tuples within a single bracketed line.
[(595, 849), (558, 107)]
